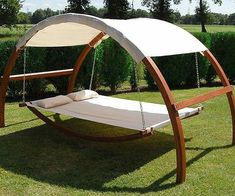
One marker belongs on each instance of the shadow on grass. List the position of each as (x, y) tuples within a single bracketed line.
[(26, 121), (42, 154)]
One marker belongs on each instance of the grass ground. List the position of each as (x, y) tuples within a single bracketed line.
[(210, 28), (16, 32), (36, 160), (13, 33)]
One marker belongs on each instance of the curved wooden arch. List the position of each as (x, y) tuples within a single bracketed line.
[(81, 59), (70, 132), (169, 101), (231, 99), (171, 105), (4, 83)]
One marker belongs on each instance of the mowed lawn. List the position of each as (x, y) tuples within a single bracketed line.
[(209, 28), (37, 160), (16, 32)]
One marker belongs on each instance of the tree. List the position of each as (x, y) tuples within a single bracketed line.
[(139, 13), (114, 72), (23, 18), (160, 9), (9, 10), (116, 9), (176, 17), (231, 19), (41, 14), (77, 6), (189, 19), (202, 12)]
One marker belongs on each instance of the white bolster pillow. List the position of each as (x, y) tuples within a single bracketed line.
[(53, 101), (82, 95)]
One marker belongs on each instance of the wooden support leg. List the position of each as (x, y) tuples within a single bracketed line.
[(2, 112), (180, 148), (219, 70), (174, 116), (231, 100)]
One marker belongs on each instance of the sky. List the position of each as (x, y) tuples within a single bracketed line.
[(185, 7)]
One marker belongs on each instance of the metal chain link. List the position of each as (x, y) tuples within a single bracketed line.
[(197, 71), (93, 70), (140, 100), (24, 83), (198, 75)]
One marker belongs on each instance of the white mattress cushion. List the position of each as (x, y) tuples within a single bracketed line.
[(53, 101), (82, 95), (119, 112)]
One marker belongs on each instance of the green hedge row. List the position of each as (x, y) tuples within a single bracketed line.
[(180, 70), (114, 65)]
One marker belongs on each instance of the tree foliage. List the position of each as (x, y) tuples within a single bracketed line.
[(160, 9), (202, 12), (117, 9), (139, 13), (9, 10), (231, 19), (78, 6), (24, 18), (41, 14), (116, 64)]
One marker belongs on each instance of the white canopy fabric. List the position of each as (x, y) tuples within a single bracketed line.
[(141, 37), (119, 112)]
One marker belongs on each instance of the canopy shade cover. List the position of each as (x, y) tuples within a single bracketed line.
[(141, 37)]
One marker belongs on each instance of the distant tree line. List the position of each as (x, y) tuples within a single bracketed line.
[(175, 16), (213, 19), (122, 9)]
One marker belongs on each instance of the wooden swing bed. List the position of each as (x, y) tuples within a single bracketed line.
[(143, 39)]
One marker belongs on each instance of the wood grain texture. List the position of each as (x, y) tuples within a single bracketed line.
[(231, 99), (46, 74), (4, 83), (70, 132), (202, 98), (174, 117), (80, 60)]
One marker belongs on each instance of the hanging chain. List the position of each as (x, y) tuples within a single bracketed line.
[(198, 76), (24, 83), (140, 100), (197, 71), (93, 70)]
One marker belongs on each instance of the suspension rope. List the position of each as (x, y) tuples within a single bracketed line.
[(139, 93), (93, 70), (24, 70), (197, 71), (198, 75)]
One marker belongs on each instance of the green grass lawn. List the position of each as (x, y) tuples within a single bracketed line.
[(13, 33), (16, 32), (37, 160), (210, 28)]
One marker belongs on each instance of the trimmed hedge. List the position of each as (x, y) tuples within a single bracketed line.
[(114, 65), (111, 67), (223, 47), (180, 70)]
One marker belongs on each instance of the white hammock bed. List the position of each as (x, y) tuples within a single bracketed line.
[(119, 112)]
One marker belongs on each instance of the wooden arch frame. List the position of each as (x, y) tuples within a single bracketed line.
[(171, 105)]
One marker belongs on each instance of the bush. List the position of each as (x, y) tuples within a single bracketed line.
[(115, 69), (136, 68), (114, 66), (223, 47), (6, 49), (61, 58), (84, 76), (35, 62), (180, 70)]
